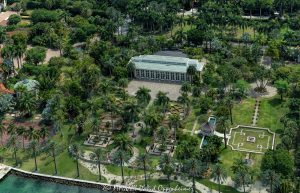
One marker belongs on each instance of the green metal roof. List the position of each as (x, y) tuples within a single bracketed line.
[(165, 63)]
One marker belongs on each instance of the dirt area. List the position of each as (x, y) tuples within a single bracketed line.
[(5, 15), (155, 87), (49, 54)]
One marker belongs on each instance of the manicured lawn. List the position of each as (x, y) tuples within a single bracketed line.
[(262, 139), (214, 186), (271, 110), (242, 112), (66, 165), (127, 171), (161, 185)]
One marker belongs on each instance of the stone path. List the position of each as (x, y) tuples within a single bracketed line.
[(256, 112), (194, 127), (134, 156)]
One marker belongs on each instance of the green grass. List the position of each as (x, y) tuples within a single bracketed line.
[(161, 184), (116, 170), (239, 141), (248, 30), (271, 110), (242, 112), (214, 186)]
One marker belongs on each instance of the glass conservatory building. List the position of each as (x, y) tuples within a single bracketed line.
[(164, 68)]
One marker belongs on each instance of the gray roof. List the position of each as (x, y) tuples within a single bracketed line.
[(165, 63)]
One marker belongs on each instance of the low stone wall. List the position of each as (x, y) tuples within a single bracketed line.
[(75, 182)]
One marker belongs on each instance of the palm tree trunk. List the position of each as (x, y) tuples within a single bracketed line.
[(15, 155), (194, 185), (225, 139), (169, 181), (145, 174), (54, 160), (99, 169), (219, 184), (77, 166), (35, 161), (122, 171)]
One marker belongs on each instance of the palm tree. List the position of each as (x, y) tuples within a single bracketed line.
[(74, 149), (132, 110), (162, 135), (123, 142), (11, 129), (43, 132), (52, 149), (184, 99), (174, 123), (271, 178), (131, 69), (151, 120), (229, 104), (162, 100), (21, 131), (26, 103), (191, 71), (143, 95), (242, 178), (167, 166), (193, 167), (12, 143), (222, 125), (33, 134), (119, 158), (97, 156), (219, 174), (143, 160), (33, 145), (186, 87)]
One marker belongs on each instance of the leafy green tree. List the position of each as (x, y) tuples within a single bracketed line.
[(14, 19), (26, 103), (143, 96), (162, 100), (219, 174), (282, 87), (278, 160), (35, 55), (167, 166)]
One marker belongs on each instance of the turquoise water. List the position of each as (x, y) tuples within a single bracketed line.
[(17, 184)]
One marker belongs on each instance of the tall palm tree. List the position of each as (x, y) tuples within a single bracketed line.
[(13, 144), (151, 120), (120, 157), (193, 167), (185, 100), (143, 95), (143, 160), (52, 149), (123, 142), (33, 134), (75, 149), (131, 69), (33, 145), (219, 174), (97, 156), (229, 104), (174, 123), (167, 166)]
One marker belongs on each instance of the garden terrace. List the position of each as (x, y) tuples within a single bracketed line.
[(251, 139)]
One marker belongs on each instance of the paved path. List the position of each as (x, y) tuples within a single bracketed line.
[(255, 117), (194, 127), (4, 170)]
